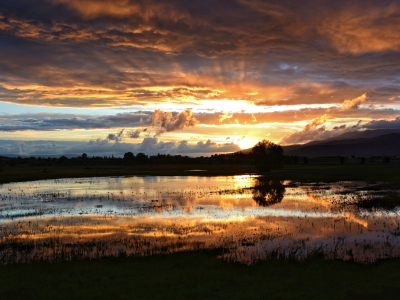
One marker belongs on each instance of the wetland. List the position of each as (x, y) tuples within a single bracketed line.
[(245, 218)]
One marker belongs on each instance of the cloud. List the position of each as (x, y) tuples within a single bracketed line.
[(224, 116), (115, 136), (354, 103), (167, 122), (56, 53), (149, 146), (135, 134), (316, 122), (383, 124), (308, 133), (119, 53), (320, 133)]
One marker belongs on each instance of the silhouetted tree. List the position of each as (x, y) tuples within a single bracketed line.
[(267, 156), (141, 158), (129, 156), (84, 155), (341, 160), (362, 160), (267, 193), (305, 160)]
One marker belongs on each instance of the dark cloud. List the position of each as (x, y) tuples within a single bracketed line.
[(115, 136), (45, 122), (134, 134), (89, 53), (383, 124)]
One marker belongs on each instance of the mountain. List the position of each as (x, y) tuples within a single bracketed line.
[(387, 144), (367, 143), (357, 135)]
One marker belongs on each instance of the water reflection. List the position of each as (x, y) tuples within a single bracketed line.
[(248, 218), (268, 192)]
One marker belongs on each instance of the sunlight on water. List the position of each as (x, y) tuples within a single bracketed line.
[(246, 218)]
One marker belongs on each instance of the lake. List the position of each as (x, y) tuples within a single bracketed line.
[(247, 218)]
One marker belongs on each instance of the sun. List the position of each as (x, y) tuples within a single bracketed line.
[(246, 143)]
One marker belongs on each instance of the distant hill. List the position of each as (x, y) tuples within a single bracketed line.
[(379, 142), (357, 135), (387, 144)]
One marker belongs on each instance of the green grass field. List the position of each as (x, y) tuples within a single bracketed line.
[(200, 275), (312, 173), (27, 172)]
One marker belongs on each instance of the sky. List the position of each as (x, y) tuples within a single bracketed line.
[(193, 77)]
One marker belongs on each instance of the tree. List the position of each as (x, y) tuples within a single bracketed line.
[(305, 160), (142, 158), (267, 156), (341, 160), (129, 156), (362, 160), (84, 155)]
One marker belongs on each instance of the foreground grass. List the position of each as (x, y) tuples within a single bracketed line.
[(200, 275)]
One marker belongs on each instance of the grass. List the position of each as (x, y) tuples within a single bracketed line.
[(28, 173), (303, 173), (389, 201), (200, 275), (334, 173)]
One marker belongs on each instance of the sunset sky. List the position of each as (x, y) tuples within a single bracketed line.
[(193, 77)]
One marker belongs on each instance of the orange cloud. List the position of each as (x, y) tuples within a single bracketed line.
[(354, 103)]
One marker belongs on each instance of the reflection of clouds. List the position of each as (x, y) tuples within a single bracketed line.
[(192, 213), (138, 235)]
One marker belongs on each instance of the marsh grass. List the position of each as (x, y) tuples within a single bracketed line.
[(388, 201)]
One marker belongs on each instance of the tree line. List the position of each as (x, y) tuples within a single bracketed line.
[(265, 155)]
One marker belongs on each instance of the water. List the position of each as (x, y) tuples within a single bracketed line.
[(246, 218)]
